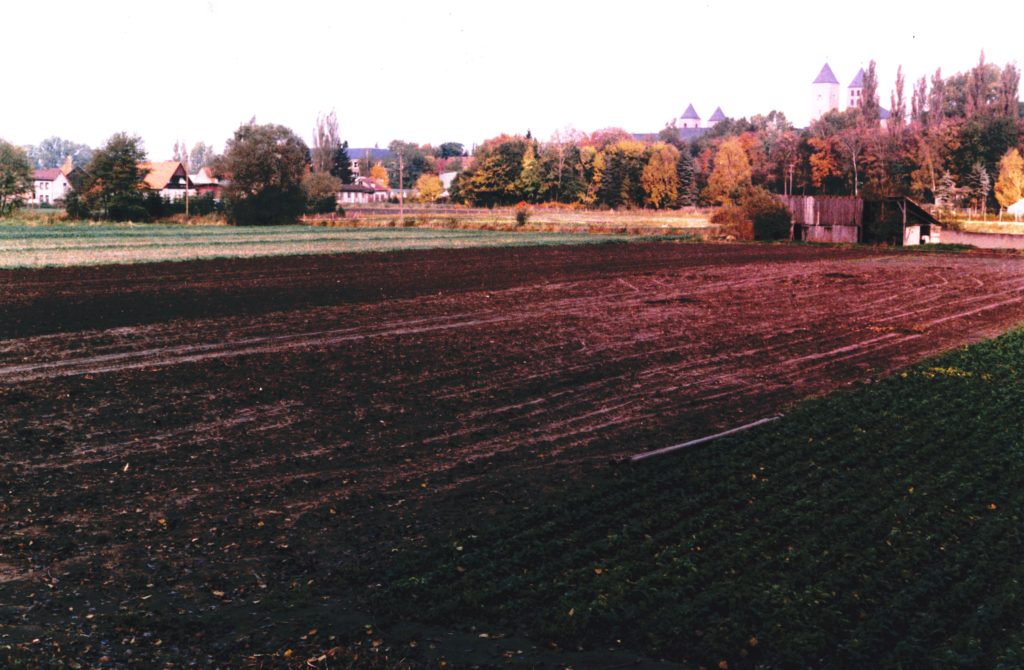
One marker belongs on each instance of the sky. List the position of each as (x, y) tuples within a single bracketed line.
[(462, 71)]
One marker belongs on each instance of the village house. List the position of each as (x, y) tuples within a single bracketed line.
[(50, 186), (168, 178), (363, 191), (206, 183)]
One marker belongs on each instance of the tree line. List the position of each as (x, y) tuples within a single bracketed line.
[(946, 146)]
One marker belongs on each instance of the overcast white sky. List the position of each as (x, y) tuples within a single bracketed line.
[(456, 70)]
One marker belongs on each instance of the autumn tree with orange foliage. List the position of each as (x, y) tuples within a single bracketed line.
[(379, 173), (731, 173)]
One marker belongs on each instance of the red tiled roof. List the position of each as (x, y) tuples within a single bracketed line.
[(48, 174), (158, 175)]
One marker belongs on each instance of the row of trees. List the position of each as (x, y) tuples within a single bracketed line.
[(947, 146)]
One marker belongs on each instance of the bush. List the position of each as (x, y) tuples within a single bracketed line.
[(127, 211), (266, 164), (161, 208), (154, 205), (771, 219), (75, 208), (734, 221), (522, 214), (324, 205)]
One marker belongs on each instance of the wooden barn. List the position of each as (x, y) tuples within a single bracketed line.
[(899, 221), (846, 219), (825, 218)]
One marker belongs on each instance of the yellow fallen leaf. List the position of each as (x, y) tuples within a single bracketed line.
[(288, 653)]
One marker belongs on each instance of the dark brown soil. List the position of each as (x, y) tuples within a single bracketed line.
[(203, 462)]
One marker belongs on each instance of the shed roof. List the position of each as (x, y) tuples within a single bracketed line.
[(915, 212), (826, 76), (690, 113)]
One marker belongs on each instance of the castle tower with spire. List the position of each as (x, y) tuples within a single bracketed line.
[(825, 93), (690, 118), (719, 115), (856, 91)]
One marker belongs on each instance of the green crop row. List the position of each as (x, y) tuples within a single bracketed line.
[(881, 526), (63, 245)]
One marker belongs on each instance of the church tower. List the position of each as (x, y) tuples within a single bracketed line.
[(718, 116), (690, 118), (825, 93), (856, 91)]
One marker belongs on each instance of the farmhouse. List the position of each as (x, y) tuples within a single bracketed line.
[(168, 178), (362, 192), (206, 183), (49, 187), (849, 220)]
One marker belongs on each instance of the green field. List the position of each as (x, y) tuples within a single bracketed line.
[(25, 245), (877, 527)]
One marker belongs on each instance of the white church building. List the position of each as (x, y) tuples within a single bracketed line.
[(825, 95)]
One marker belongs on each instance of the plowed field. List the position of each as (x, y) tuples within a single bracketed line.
[(201, 460)]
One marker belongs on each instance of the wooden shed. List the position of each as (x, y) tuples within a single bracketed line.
[(899, 221), (825, 218)]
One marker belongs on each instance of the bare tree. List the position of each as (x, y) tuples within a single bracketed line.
[(561, 142), (326, 141)]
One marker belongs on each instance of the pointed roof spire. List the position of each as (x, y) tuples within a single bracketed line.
[(718, 115), (690, 113), (858, 81), (826, 76)]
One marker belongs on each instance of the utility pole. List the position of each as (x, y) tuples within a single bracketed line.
[(187, 180), (401, 188)]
